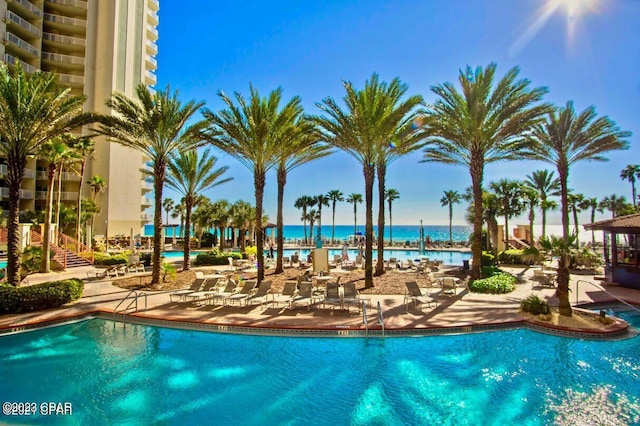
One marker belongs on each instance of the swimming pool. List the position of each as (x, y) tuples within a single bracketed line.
[(152, 375), (447, 257)]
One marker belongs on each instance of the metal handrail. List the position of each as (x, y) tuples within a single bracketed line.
[(602, 289), (365, 319), (381, 318), (133, 301)]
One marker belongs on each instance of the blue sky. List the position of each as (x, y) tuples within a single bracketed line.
[(590, 56)]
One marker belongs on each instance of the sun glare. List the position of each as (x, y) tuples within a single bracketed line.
[(572, 9)]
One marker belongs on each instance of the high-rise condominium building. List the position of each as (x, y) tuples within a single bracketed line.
[(95, 47)]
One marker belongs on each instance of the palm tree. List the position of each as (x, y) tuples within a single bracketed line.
[(591, 203), (98, 186), (33, 111), (355, 199), (449, 199), (167, 205), (334, 196), (69, 157), (297, 147), (482, 124), (312, 216), (220, 218), (304, 202), (84, 146), (155, 123), (242, 215), (575, 202), (614, 204), (321, 200), (202, 219), (375, 128), (251, 132), (563, 140), (191, 174), (178, 212), (509, 193), (546, 185), (630, 173), (531, 199), (391, 195)]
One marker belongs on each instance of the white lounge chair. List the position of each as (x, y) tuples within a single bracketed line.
[(286, 295), (243, 294), (261, 294), (195, 286), (303, 296), (417, 296)]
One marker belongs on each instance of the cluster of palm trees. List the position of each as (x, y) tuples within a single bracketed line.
[(485, 121)]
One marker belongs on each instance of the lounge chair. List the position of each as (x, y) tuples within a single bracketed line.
[(261, 294), (417, 296), (449, 286), (199, 274), (287, 293), (391, 264), (332, 296), (303, 297), (195, 286), (243, 294), (351, 296), (286, 262), (227, 291), (106, 273), (231, 267), (205, 292), (113, 271)]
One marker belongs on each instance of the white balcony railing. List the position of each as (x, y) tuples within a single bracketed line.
[(65, 59), (151, 78), (12, 60), (153, 17), (152, 46), (145, 201), (12, 17), (152, 61), (30, 7), (41, 174), (29, 173), (154, 5), (70, 176), (41, 195), (26, 194), (76, 41), (65, 20), (70, 79), (153, 31), (68, 196), (17, 41), (73, 3)]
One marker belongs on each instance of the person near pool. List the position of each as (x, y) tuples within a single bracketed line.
[(345, 253)]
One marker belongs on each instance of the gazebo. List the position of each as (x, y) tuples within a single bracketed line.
[(621, 249)]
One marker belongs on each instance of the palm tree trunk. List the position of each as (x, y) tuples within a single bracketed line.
[(369, 177), (390, 226), (355, 220), (319, 227), (477, 172), (544, 222), (186, 262), (45, 262), (304, 223), (593, 233), (333, 224), (259, 182), (79, 204), (15, 174), (563, 263), (532, 216), (381, 171), (282, 181), (633, 191), (158, 232), (451, 224), (575, 225), (222, 237), (60, 169), (506, 229)]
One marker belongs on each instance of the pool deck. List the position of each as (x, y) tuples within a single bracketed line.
[(453, 313)]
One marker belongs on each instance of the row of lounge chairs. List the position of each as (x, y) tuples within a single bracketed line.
[(120, 270), (423, 296)]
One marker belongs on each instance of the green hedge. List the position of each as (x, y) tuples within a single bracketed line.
[(108, 260), (215, 257), (512, 257), (488, 259), (496, 284), (14, 300)]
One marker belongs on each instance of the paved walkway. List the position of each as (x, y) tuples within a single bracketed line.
[(464, 309)]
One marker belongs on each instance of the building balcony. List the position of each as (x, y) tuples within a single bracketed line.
[(25, 194), (145, 201), (21, 25), (69, 5), (154, 5), (152, 48), (65, 23), (12, 60), (152, 17), (71, 80), (41, 195), (26, 8), (29, 173), (64, 43), (146, 217), (63, 62), (150, 78), (70, 176), (42, 175), (21, 45), (152, 63), (152, 33)]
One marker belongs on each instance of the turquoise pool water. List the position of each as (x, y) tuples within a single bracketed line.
[(447, 257), (151, 375)]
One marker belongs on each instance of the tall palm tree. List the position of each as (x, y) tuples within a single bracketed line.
[(321, 200), (220, 218), (563, 140), (531, 199), (33, 110), (630, 173), (84, 146), (178, 213), (297, 147), (375, 127), (547, 186), (251, 132), (202, 218), (312, 216), (575, 203), (167, 205), (482, 124), (509, 194), (242, 216), (614, 204), (354, 199), (390, 195), (591, 203), (449, 199), (303, 203), (190, 175), (69, 158), (98, 185), (335, 195), (154, 123)]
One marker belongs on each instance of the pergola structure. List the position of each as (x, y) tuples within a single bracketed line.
[(621, 249)]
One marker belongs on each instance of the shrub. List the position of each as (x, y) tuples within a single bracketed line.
[(513, 257), (534, 305), (488, 259), (31, 259), (587, 259), (215, 257), (501, 282), (251, 251), (108, 260), (168, 272), (209, 239), (15, 300), (489, 271)]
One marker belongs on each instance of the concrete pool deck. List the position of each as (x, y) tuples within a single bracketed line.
[(457, 313)]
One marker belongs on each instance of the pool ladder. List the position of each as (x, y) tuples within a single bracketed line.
[(132, 297), (365, 317)]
